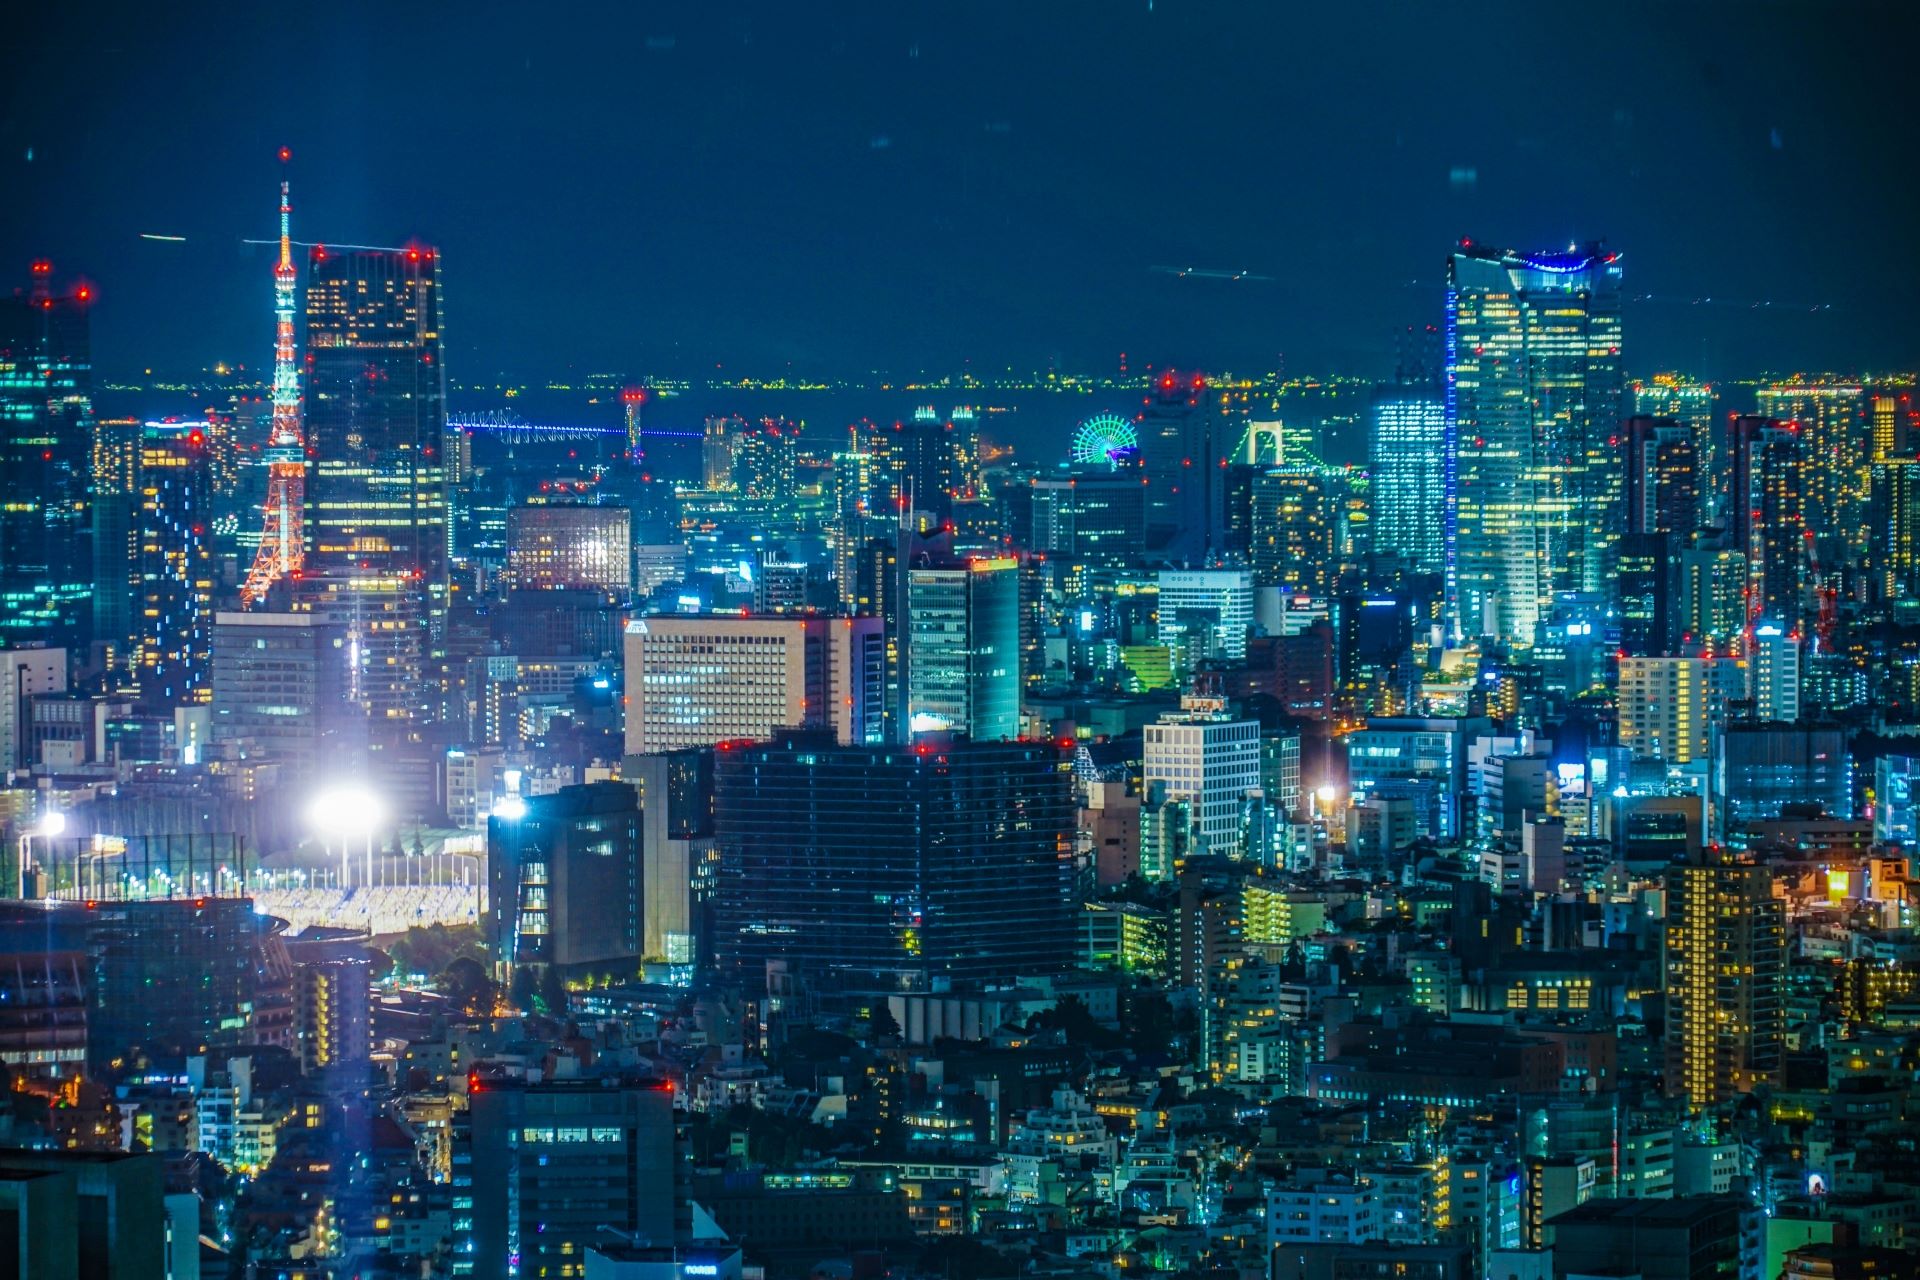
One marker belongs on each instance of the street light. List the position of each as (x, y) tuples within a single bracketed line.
[(52, 823), (346, 812)]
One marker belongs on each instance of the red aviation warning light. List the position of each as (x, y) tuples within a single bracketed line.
[(286, 154)]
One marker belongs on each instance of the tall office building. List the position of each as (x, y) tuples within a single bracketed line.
[(1533, 408), (1832, 423), (46, 417), (280, 693), (556, 547), (172, 578), (918, 467), (1667, 707), (542, 1172), (1725, 970), (899, 864), (376, 414), (1406, 441), (1767, 515), (676, 827), (962, 650), (1295, 527), (563, 881), (1095, 517), (1179, 454), (1662, 489), (694, 681), (1210, 761), (1214, 606)]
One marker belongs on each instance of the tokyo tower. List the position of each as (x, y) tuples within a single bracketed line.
[(282, 532)]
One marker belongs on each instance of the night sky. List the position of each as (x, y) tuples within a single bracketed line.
[(661, 189)]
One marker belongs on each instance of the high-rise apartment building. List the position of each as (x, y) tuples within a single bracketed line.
[(1725, 969), (1773, 673), (900, 864), (1295, 527), (1712, 603), (46, 417), (1533, 407), (1668, 705), (1662, 490), (1690, 403), (1832, 423), (1211, 761), (1406, 441), (172, 578), (695, 681), (556, 547), (962, 650), (1767, 515)]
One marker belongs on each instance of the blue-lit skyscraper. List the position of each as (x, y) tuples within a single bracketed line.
[(46, 416), (1533, 397), (1406, 440)]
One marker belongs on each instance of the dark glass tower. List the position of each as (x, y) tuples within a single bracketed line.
[(46, 426), (897, 865), (376, 415)]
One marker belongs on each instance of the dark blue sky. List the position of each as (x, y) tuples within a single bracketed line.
[(662, 187)]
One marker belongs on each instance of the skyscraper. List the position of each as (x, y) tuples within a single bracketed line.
[(1831, 421), (1662, 490), (1405, 444), (173, 575), (1690, 403), (1296, 527), (1767, 516), (1726, 958), (376, 416), (1533, 407), (945, 859), (1179, 453), (962, 650), (46, 422)]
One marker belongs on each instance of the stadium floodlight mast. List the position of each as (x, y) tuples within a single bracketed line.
[(346, 812), (52, 823)]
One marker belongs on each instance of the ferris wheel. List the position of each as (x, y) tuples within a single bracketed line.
[(1105, 437)]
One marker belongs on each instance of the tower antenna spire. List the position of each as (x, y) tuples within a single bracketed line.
[(282, 528)]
